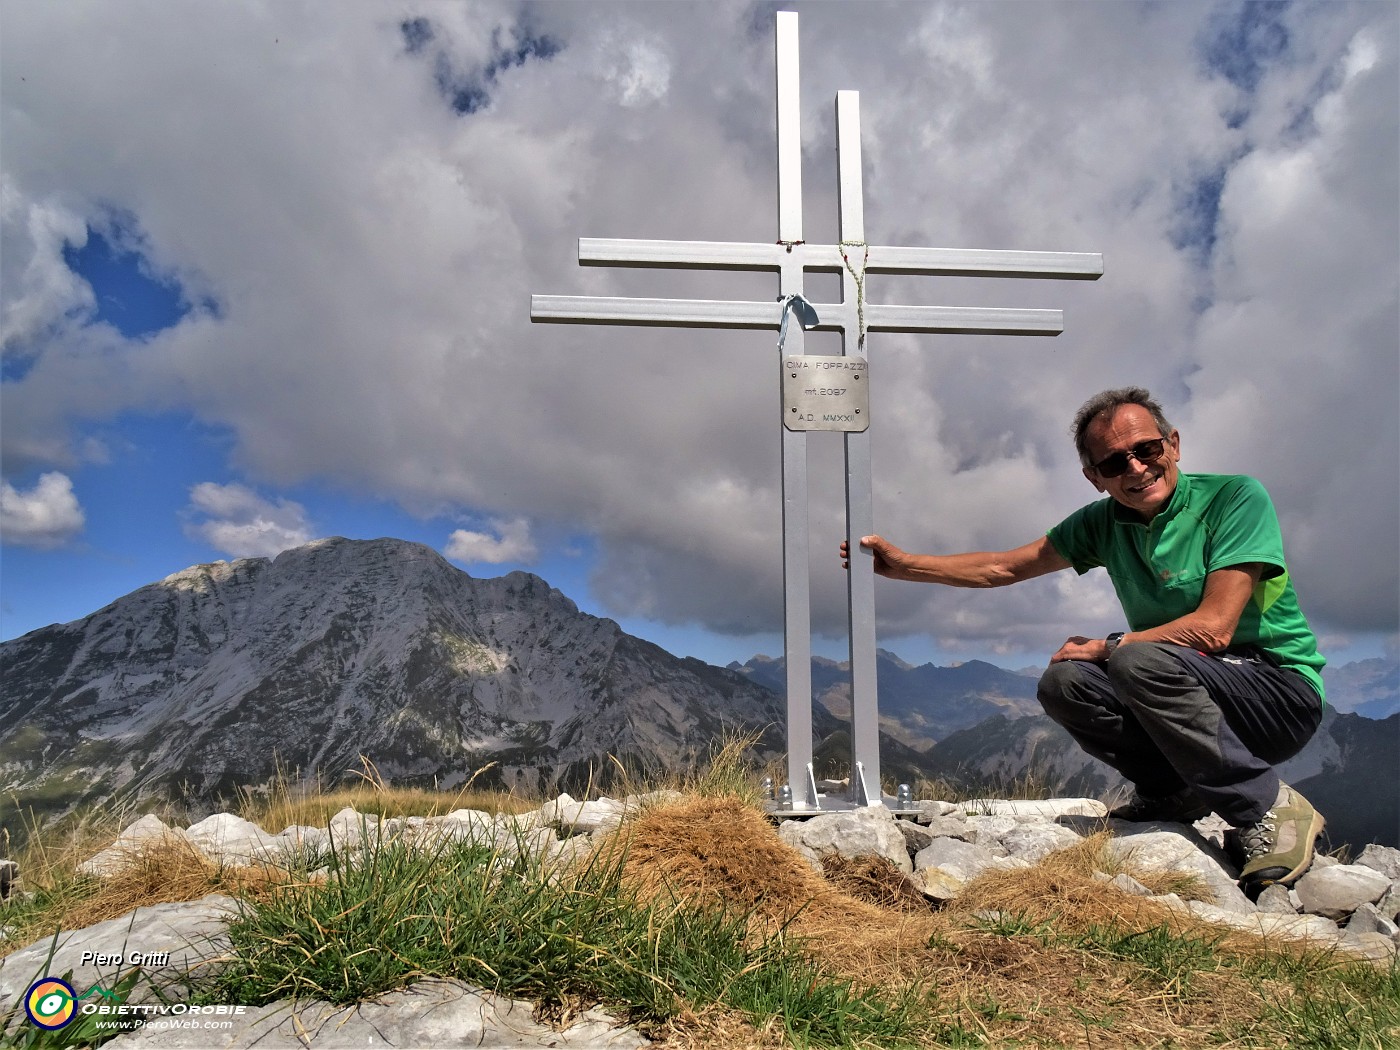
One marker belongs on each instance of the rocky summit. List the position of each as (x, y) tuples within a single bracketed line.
[(940, 847), (224, 675)]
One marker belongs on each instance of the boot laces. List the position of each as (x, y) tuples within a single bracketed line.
[(1258, 839)]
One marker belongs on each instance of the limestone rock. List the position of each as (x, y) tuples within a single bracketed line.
[(1276, 900), (1339, 890), (1125, 882), (129, 845), (180, 938), (1045, 809), (461, 825), (583, 818), (962, 860), (916, 836), (1389, 905), (434, 1013), (988, 830), (1368, 919), (296, 846), (1383, 859), (226, 839), (865, 832), (949, 826), (350, 829), (1375, 946), (1033, 842), (929, 810), (1181, 850), (937, 884)]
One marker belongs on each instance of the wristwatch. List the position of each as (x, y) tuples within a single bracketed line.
[(1112, 641)]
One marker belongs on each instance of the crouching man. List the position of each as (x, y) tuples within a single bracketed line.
[(1218, 678)]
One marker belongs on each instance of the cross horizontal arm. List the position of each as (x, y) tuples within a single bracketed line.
[(712, 255), (962, 319), (974, 262), (711, 313), (683, 313), (745, 255)]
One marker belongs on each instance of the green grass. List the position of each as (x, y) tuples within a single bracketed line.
[(499, 918)]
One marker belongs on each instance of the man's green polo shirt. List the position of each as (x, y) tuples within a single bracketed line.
[(1212, 521)]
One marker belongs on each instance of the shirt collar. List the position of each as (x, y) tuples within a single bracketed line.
[(1181, 499)]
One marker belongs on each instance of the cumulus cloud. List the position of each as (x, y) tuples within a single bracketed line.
[(239, 522), (509, 541), (373, 212), (48, 515)]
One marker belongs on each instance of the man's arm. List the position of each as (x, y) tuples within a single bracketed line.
[(982, 569), (1209, 628)]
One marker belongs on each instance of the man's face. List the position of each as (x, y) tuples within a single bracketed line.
[(1144, 487)]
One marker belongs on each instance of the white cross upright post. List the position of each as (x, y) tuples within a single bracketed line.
[(820, 393)]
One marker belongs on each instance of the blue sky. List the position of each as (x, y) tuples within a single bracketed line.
[(271, 284)]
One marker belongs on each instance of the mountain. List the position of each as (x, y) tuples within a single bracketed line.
[(1369, 687), (222, 675), (918, 705), (999, 753)]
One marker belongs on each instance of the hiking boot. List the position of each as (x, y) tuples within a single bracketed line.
[(1279, 847), (1182, 806)]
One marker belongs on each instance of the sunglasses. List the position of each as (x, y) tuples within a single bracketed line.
[(1144, 452)]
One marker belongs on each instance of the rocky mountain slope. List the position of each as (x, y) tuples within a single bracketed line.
[(222, 674)]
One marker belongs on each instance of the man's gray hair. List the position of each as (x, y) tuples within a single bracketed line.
[(1107, 402)]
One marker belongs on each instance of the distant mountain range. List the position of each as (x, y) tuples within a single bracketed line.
[(918, 705), (222, 676), (1370, 688)]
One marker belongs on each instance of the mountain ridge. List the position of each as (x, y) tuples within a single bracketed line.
[(347, 647)]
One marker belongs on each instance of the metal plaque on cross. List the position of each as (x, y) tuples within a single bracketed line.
[(838, 400)]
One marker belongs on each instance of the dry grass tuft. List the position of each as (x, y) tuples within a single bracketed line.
[(717, 1026), (875, 880), (721, 851), (161, 871), (1061, 889)]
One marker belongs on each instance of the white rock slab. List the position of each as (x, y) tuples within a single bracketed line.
[(227, 839), (190, 933), (1045, 809), (432, 1013)]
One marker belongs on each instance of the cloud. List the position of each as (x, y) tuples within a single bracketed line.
[(240, 523), (511, 543), (46, 516), (373, 249)]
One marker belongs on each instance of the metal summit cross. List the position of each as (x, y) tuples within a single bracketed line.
[(820, 393)]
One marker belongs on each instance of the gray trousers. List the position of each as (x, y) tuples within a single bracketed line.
[(1169, 717)]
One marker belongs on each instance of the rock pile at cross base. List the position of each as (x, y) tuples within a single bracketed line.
[(939, 846)]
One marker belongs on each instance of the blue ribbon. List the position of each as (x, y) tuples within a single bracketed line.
[(806, 316)]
